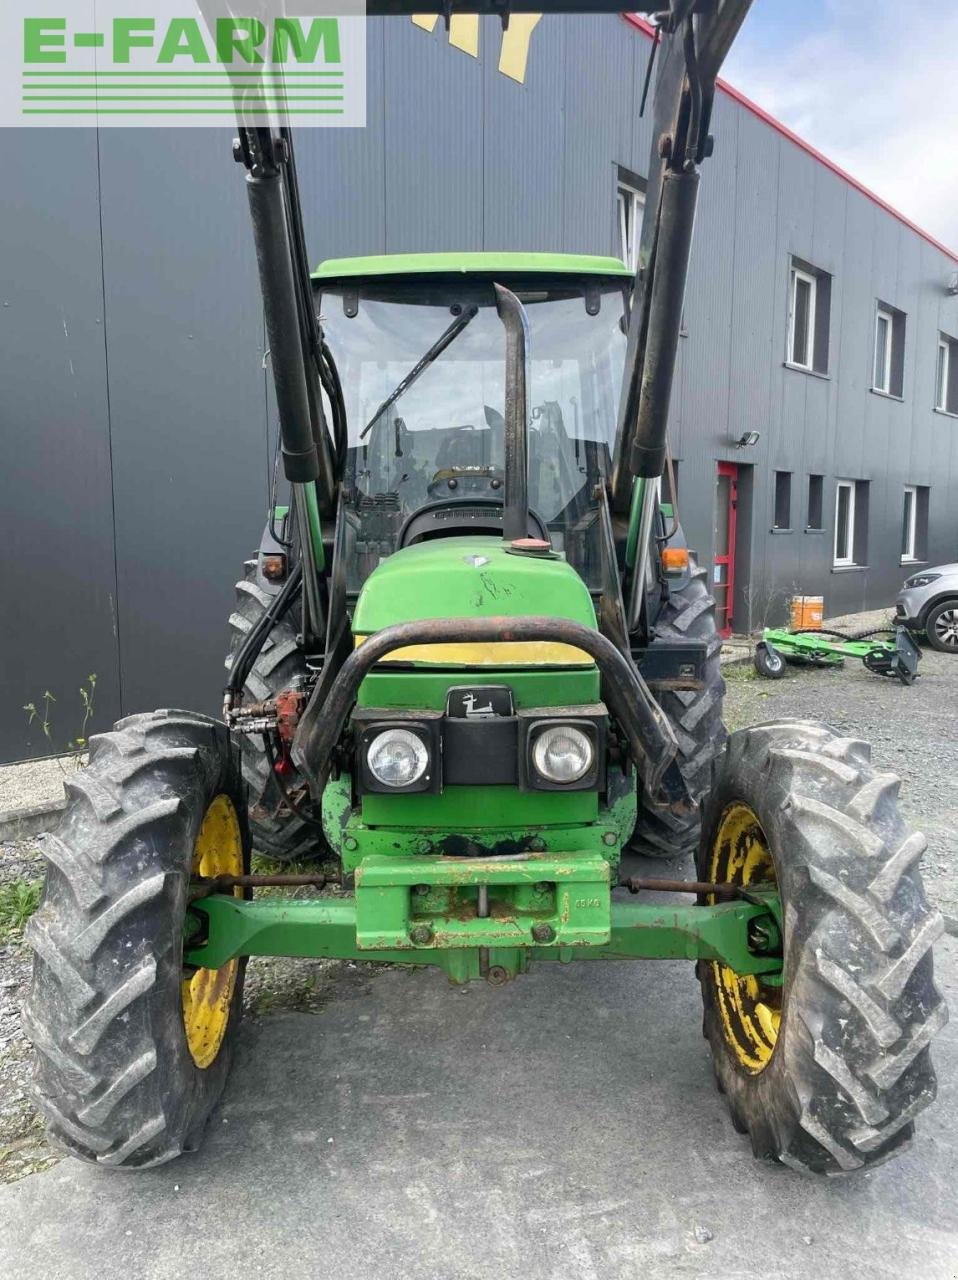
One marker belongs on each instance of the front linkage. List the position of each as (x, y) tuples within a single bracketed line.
[(486, 918)]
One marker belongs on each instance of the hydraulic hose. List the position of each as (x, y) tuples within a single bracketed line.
[(249, 650)]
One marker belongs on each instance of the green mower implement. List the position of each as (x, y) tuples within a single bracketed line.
[(472, 663), (896, 658)]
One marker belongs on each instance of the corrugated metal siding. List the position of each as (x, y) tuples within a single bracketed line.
[(187, 405), (141, 385), (342, 173), (57, 581), (432, 143), (523, 142)]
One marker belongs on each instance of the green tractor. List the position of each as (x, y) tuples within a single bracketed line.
[(474, 661)]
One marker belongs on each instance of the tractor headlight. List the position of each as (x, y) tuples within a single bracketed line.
[(562, 754), (397, 758)]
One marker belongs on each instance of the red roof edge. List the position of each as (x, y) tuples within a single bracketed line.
[(647, 29)]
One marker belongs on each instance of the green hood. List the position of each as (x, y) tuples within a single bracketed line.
[(473, 578)]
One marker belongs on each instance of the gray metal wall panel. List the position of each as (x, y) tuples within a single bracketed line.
[(523, 144), (856, 322), (708, 306), (342, 172), (57, 584), (640, 127), (187, 404), (754, 352), (433, 142), (597, 130), (943, 432)]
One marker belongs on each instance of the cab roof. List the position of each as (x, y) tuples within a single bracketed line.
[(486, 264)]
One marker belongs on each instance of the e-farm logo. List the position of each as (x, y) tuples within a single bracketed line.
[(186, 62)]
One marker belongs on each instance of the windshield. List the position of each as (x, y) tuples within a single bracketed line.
[(424, 385)]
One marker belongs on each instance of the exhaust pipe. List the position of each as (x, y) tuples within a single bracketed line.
[(515, 513)]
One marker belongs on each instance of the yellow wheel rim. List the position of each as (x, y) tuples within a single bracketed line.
[(750, 1011), (208, 993)]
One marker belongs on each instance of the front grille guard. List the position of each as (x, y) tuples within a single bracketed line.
[(648, 735)]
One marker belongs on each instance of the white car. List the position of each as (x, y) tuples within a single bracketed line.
[(928, 603)]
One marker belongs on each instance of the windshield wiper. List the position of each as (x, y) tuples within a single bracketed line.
[(436, 350)]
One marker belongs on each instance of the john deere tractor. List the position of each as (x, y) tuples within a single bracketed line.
[(472, 662)]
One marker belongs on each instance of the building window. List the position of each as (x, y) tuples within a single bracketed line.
[(909, 523), (630, 204), (889, 363), (815, 506), (845, 522), (883, 330), (809, 304), (801, 347), (946, 375), (851, 523), (783, 500), (914, 523)]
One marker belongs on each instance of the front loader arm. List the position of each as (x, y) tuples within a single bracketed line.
[(695, 37), (293, 342)]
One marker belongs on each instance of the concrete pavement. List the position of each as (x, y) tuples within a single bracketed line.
[(564, 1127)]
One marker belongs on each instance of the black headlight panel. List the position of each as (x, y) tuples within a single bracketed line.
[(398, 755), (540, 749), (562, 752)]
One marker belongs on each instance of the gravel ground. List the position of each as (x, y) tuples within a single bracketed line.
[(912, 731), (23, 1149), (34, 782)]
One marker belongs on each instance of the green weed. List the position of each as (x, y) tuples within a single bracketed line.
[(18, 901), (77, 746)]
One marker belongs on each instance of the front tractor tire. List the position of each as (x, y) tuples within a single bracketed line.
[(280, 664), (695, 715), (133, 1050), (827, 1071)]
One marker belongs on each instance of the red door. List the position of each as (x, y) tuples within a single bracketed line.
[(723, 572)]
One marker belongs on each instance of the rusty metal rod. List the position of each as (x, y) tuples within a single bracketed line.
[(635, 884), (200, 888)]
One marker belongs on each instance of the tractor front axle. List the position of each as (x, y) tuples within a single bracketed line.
[(475, 917)]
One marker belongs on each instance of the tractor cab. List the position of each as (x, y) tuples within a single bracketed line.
[(421, 354)]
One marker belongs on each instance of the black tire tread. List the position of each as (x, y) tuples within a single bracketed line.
[(851, 1067), (696, 719), (279, 664), (114, 1079)]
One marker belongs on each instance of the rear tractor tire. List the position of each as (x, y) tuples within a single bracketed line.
[(280, 664), (696, 719), (827, 1071), (133, 1050)]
